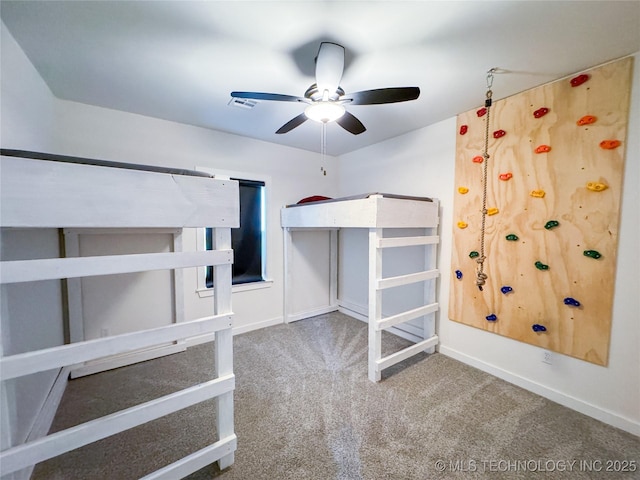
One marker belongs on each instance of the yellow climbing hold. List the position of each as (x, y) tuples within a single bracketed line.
[(597, 186), (463, 190), (462, 225), (537, 193), (492, 211)]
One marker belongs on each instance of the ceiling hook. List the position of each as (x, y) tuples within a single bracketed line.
[(490, 73)]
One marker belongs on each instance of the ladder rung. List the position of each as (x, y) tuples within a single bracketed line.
[(391, 242), (397, 357), (384, 283), (406, 316)]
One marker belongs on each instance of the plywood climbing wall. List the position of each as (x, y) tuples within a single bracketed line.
[(554, 182)]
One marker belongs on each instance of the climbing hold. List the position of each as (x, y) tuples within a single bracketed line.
[(458, 274), (463, 190), (571, 302), (512, 237), (543, 149), (492, 317), (478, 159), (492, 211), (586, 120), (463, 129), (462, 225), (579, 80), (506, 289), (597, 186), (610, 144), (538, 328), (481, 112), (541, 266), (473, 254), (537, 193), (592, 253), (541, 112), (551, 224), (499, 133), (505, 176)]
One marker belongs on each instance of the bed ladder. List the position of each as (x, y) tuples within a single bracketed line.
[(377, 284)]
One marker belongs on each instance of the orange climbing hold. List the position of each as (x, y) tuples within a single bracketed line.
[(463, 190), (505, 176), (492, 211), (542, 149), (597, 186), (537, 193), (478, 159), (462, 225), (586, 120), (610, 144)]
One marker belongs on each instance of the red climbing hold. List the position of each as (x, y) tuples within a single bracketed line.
[(478, 159), (499, 133), (541, 112), (579, 80), (610, 144), (463, 129), (505, 176), (482, 112), (543, 149)]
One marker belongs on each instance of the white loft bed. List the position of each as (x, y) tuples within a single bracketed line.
[(47, 191), (375, 212)]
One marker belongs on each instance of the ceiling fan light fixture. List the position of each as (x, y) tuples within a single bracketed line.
[(324, 112)]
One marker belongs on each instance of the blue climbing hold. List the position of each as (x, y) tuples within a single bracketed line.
[(506, 289), (572, 302), (538, 328), (458, 274), (491, 318)]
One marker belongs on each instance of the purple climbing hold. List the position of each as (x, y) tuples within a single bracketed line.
[(506, 289), (492, 317), (458, 274), (538, 328)]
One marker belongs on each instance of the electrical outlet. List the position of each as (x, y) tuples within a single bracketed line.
[(547, 357)]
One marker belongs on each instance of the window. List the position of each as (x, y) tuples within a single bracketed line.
[(247, 241)]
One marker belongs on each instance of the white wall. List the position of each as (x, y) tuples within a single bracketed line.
[(26, 116), (422, 163)]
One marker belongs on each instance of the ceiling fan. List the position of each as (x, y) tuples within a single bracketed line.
[(326, 100)]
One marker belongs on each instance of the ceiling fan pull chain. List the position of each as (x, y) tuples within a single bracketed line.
[(481, 277)]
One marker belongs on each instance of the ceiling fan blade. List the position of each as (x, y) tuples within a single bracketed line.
[(382, 95), (269, 96), (329, 67), (293, 123), (351, 124)]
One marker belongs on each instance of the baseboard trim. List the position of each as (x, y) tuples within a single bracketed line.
[(359, 313), (257, 325), (603, 415), (311, 313)]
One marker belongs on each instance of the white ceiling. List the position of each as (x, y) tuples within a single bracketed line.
[(179, 60)]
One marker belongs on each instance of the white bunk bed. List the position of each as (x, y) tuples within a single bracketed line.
[(376, 212), (49, 191)]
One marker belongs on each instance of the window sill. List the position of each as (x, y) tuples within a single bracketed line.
[(243, 287)]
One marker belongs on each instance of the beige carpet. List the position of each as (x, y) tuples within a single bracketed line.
[(306, 410)]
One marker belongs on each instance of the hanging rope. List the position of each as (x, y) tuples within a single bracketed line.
[(481, 277)]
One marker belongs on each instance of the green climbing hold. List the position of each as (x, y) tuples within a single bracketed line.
[(592, 254), (473, 254), (512, 237), (551, 224), (541, 266)]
